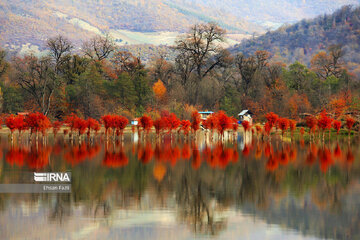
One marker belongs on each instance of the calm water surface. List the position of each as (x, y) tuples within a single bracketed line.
[(185, 190)]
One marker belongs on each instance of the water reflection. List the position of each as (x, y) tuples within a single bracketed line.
[(193, 188)]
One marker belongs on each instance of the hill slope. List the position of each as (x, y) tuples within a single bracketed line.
[(27, 23), (298, 42)]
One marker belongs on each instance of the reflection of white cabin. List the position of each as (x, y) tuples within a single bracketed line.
[(205, 115), (246, 115)]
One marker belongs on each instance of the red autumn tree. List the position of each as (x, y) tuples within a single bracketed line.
[(159, 125), (267, 128), (20, 124), (108, 121), (70, 121), (13, 123), (283, 124), (272, 119), (195, 121), (173, 121), (311, 122), (92, 125), (292, 125), (324, 122), (185, 126), (234, 125), (146, 123), (349, 123), (337, 126), (120, 123), (246, 125), (37, 122), (223, 122), (80, 125)]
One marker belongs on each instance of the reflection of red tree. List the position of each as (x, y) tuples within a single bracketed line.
[(310, 158), (325, 159), (16, 156), (271, 164), (114, 160), (145, 154), (283, 157), (186, 152), (268, 150), (349, 157), (337, 151), (292, 154), (196, 161), (38, 157), (246, 150), (76, 154), (174, 156)]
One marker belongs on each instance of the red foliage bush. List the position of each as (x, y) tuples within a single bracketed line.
[(37, 122), (80, 125), (337, 126), (146, 123), (173, 121), (246, 125), (120, 123), (109, 122), (324, 121), (223, 122), (311, 122), (159, 124), (195, 121), (272, 119), (235, 124), (185, 126), (283, 124), (349, 123), (92, 124)]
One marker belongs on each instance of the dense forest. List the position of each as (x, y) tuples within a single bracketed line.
[(103, 79), (300, 41)]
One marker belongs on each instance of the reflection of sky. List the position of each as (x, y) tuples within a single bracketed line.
[(132, 224)]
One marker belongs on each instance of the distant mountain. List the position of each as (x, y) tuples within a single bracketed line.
[(26, 24), (300, 41), (271, 13)]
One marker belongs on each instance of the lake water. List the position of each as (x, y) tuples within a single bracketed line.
[(176, 189)]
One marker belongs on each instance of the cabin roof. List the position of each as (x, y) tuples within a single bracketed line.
[(243, 112), (206, 112)]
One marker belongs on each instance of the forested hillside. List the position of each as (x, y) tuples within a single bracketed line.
[(101, 79), (300, 41)]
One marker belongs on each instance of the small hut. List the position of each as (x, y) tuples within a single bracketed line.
[(204, 115), (246, 115)]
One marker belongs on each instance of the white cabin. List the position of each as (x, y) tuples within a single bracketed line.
[(246, 115)]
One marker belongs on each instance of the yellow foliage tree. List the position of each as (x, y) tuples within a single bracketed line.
[(159, 90)]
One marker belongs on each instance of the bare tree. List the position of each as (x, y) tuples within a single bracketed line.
[(125, 62), (248, 66), (99, 48), (200, 51), (328, 64), (60, 48), (37, 77)]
